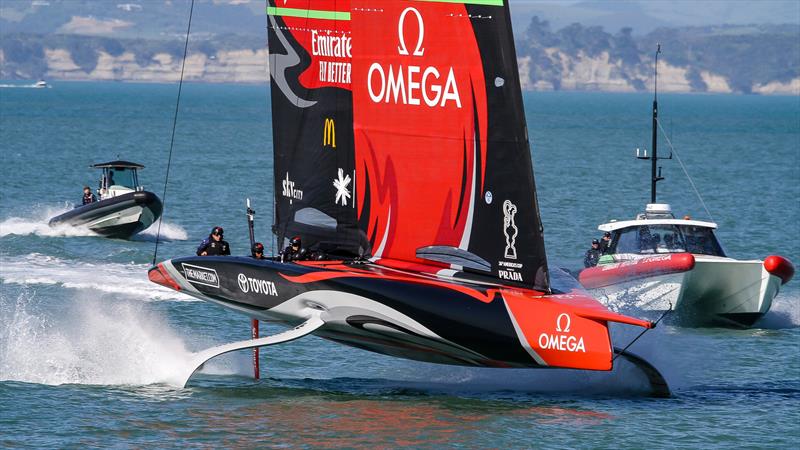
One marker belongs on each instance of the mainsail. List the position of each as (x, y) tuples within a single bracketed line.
[(400, 133)]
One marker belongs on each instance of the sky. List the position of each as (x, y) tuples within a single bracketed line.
[(645, 15), (143, 18)]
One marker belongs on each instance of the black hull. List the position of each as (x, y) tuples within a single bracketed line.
[(100, 216), (407, 314)]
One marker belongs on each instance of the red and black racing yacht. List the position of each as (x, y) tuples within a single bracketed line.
[(401, 152)]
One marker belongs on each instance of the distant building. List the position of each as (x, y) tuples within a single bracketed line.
[(129, 7)]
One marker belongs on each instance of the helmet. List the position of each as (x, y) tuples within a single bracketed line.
[(218, 231), (258, 247), (295, 241), (595, 241), (607, 234)]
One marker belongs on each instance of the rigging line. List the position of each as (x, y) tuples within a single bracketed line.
[(691, 182), (642, 333), (174, 126)]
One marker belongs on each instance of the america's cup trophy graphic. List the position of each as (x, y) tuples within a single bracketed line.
[(510, 228)]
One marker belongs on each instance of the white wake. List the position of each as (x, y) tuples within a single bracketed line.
[(169, 232), (36, 222), (113, 278), (89, 340)]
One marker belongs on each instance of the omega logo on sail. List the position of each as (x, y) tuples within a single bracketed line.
[(411, 84), (562, 342)]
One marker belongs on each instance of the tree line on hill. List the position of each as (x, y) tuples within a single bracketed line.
[(744, 55)]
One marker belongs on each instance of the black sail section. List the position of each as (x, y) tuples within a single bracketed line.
[(507, 226), (312, 124)]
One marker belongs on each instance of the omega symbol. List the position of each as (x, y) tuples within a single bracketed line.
[(402, 49), (563, 323)]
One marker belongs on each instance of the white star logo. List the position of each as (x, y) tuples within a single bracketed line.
[(342, 193)]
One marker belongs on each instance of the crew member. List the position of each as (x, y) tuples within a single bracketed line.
[(295, 251), (605, 243), (88, 197), (214, 245), (258, 251), (592, 255)]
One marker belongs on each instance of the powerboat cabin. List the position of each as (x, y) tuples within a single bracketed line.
[(657, 231), (119, 177)]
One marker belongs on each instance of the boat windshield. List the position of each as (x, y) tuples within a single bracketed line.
[(120, 176), (650, 239)]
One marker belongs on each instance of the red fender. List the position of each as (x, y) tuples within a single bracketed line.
[(780, 267)]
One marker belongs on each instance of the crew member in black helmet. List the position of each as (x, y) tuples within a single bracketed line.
[(258, 251), (295, 251), (592, 255), (214, 245)]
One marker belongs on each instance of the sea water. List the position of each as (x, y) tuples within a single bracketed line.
[(90, 350)]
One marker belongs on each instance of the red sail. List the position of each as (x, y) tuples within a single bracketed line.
[(419, 112)]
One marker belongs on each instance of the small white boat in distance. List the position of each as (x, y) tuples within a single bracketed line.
[(41, 84), (657, 261)]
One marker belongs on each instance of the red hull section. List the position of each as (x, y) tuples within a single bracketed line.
[(610, 274)]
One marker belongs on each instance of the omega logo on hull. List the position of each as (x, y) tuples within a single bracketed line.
[(562, 342)]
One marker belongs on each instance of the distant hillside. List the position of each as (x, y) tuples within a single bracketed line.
[(742, 59), (737, 59), (223, 58)]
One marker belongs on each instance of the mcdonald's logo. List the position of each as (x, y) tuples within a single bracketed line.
[(329, 134)]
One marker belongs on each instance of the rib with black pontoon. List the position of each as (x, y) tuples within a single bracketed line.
[(401, 152), (124, 208)]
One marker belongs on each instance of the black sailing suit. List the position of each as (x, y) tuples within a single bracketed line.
[(214, 248)]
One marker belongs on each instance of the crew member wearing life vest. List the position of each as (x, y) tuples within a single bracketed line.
[(592, 255), (295, 251), (214, 245), (88, 197)]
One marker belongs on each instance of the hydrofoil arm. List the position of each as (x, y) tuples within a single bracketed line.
[(200, 358)]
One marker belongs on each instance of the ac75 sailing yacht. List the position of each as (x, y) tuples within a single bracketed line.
[(401, 151)]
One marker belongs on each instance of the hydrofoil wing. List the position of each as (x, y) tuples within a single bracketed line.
[(305, 328)]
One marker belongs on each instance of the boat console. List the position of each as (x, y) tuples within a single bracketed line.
[(119, 177)]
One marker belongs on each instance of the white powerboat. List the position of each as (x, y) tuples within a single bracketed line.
[(656, 262)]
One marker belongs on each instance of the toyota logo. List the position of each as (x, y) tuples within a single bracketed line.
[(243, 285)]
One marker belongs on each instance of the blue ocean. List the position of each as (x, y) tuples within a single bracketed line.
[(90, 349)]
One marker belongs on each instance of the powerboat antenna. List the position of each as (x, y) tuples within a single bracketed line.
[(655, 171), (655, 177)]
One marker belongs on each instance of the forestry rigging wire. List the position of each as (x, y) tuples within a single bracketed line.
[(174, 125)]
